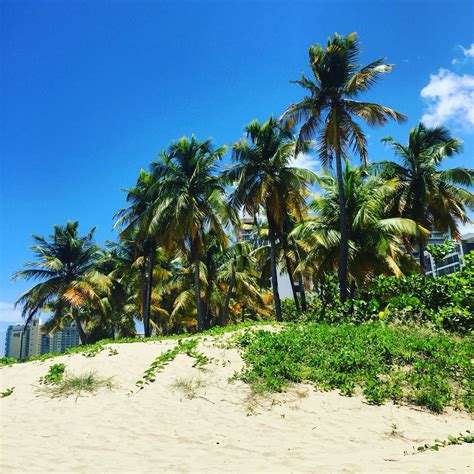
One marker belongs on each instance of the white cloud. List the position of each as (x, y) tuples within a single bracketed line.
[(450, 98), (8, 313), (305, 160)]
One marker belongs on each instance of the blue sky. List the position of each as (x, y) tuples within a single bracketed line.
[(92, 91)]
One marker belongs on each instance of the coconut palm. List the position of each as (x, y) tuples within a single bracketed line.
[(288, 259), (375, 238), (189, 201), (330, 112), (134, 220), (67, 265), (433, 197), (267, 182), (238, 272)]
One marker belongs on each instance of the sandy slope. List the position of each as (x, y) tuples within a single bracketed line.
[(221, 429)]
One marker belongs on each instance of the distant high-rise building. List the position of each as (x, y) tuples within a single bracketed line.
[(13, 341), (21, 343), (64, 339)]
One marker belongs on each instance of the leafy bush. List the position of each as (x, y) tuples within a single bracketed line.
[(7, 361), (445, 302), (54, 376), (401, 364)]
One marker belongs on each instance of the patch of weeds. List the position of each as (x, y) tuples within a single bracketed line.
[(405, 365), (461, 439), (188, 386), (78, 385), (112, 351), (7, 392), (54, 376)]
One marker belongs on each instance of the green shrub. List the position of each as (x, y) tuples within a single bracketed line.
[(445, 302), (54, 376), (401, 364)]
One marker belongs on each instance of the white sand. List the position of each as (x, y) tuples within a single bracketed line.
[(220, 429)]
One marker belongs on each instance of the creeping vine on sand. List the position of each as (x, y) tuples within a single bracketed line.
[(187, 347)]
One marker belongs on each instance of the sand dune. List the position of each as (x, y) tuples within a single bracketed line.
[(193, 420)]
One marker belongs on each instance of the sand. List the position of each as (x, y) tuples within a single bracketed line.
[(214, 426)]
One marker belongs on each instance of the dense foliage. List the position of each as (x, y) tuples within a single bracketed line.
[(445, 302), (400, 364), (200, 245)]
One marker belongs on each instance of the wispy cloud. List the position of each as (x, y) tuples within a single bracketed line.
[(450, 99), (305, 160), (8, 313), (467, 53)]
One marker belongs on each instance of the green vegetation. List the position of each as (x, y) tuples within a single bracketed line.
[(7, 361), (187, 347), (77, 385), (93, 349), (445, 302), (181, 264), (407, 365), (199, 244), (54, 376), (330, 113), (7, 392), (462, 438)]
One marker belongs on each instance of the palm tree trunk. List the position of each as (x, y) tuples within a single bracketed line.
[(300, 280), (149, 288), (225, 309), (80, 330), (273, 265), (143, 283), (344, 247), (197, 282), (292, 283)]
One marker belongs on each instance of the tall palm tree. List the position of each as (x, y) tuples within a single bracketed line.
[(67, 265), (266, 181), (330, 112), (375, 237), (134, 220), (431, 196), (189, 201)]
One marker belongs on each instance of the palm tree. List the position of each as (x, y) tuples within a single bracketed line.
[(189, 201), (237, 272), (375, 237), (432, 197), (330, 110), (135, 223), (266, 181), (67, 265), (288, 259)]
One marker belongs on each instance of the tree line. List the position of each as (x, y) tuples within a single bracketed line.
[(180, 262)]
